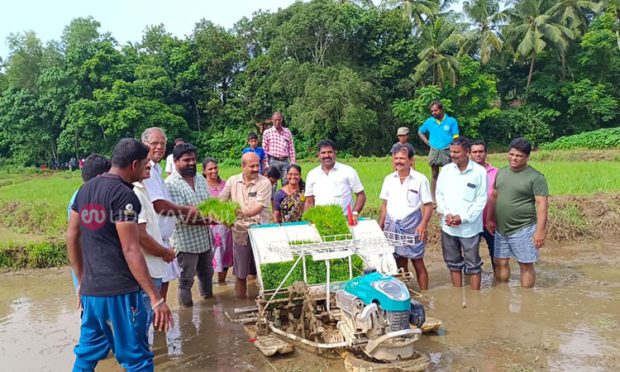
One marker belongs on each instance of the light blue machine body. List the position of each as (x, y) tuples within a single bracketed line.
[(390, 293)]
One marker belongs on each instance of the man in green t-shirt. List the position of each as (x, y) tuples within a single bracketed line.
[(518, 205)]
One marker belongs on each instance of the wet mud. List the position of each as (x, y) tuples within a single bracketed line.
[(569, 322)]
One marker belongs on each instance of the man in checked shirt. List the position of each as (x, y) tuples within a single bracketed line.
[(279, 147)]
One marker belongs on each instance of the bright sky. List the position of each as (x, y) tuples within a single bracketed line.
[(125, 19)]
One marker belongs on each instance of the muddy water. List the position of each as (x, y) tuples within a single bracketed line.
[(569, 322)]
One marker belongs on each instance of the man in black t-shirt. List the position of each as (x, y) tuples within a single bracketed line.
[(104, 251)]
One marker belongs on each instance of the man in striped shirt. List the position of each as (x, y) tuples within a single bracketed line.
[(278, 146)]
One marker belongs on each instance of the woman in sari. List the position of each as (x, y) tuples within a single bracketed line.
[(222, 236), (289, 200)]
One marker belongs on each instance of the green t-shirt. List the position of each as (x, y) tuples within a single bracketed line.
[(515, 206)]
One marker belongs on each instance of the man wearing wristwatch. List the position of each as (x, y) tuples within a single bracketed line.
[(334, 183)]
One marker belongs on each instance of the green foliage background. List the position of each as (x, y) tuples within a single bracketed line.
[(352, 71)]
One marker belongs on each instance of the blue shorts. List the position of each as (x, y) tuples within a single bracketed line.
[(116, 323), (519, 244)]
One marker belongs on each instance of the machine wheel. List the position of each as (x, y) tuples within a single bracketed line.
[(353, 363)]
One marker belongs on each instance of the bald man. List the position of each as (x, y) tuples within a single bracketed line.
[(253, 193)]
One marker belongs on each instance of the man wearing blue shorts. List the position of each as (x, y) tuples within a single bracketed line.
[(519, 205), (104, 250)]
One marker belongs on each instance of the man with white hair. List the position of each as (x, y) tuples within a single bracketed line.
[(156, 139)]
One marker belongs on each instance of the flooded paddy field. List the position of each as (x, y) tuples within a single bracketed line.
[(569, 322)]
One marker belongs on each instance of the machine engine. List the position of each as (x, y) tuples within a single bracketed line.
[(379, 308)]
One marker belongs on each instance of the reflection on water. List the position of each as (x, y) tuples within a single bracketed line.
[(570, 321)]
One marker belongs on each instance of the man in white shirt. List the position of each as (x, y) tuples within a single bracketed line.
[(334, 183), (406, 209), (156, 139), (155, 253), (170, 160), (461, 196)]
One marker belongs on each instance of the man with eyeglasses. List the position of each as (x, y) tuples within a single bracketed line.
[(156, 139)]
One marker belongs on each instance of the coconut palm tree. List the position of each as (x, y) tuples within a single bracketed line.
[(574, 13), (439, 41), (486, 20), (416, 10), (533, 30)]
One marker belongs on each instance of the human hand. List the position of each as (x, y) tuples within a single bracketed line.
[(421, 232), (456, 220), (78, 303), (448, 219), (490, 226), (163, 316), (191, 213), (539, 238), (169, 256)]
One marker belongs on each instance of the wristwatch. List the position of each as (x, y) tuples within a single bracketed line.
[(355, 213)]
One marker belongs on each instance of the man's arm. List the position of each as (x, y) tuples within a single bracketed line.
[(266, 144), (130, 243), (74, 249), (168, 208), (542, 207), (309, 193), (427, 212), (442, 208), (360, 201), (455, 129), (151, 246), (490, 222), (226, 192), (291, 150), (382, 214), (309, 203), (423, 138)]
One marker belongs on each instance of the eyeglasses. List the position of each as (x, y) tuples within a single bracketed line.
[(162, 144)]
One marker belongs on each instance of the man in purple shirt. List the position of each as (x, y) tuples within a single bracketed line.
[(479, 155)]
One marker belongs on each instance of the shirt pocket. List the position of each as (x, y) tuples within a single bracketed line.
[(413, 197), (413, 194), (470, 192)]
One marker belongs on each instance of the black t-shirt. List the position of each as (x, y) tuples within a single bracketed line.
[(101, 202)]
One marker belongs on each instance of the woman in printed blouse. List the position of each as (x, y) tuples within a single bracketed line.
[(222, 235), (289, 200)]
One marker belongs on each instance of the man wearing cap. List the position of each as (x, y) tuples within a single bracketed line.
[(442, 129), (403, 140)]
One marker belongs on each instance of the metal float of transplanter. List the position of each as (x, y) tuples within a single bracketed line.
[(370, 318)]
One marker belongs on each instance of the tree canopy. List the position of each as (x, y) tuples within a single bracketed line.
[(351, 71)]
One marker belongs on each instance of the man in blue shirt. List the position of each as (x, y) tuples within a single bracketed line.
[(442, 129), (253, 147)]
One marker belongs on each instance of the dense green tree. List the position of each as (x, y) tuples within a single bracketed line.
[(336, 104), (439, 43), (350, 70), (532, 30)]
